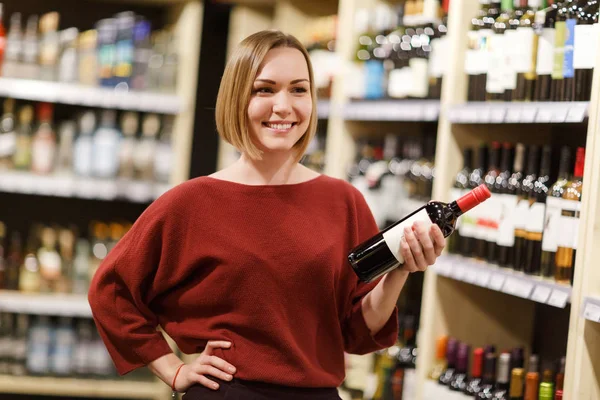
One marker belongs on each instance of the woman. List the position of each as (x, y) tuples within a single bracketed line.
[(248, 266)]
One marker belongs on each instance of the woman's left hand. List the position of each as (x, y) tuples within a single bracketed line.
[(421, 246)]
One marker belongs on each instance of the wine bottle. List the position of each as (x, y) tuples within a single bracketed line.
[(553, 211), (526, 47), (558, 395), (557, 86), (474, 384), (476, 238), (546, 391), (585, 50), (497, 48), (503, 378), (545, 57), (448, 374), (440, 363), (490, 211), (500, 187), (535, 219), (506, 235), (568, 66), (381, 253), (459, 380), (489, 377), (523, 205), (569, 222), (532, 379), (459, 188), (476, 57), (516, 384)]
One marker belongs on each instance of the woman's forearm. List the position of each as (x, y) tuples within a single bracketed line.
[(378, 304), (165, 367)]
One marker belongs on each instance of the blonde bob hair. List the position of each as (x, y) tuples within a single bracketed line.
[(236, 90)]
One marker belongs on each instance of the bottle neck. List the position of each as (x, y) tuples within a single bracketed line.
[(579, 163), (564, 165), (546, 160)]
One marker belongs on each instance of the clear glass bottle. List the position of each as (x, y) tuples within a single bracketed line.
[(130, 122), (49, 46), (43, 146), (68, 62), (14, 48), (106, 142), (29, 68), (64, 158), (88, 58), (163, 161), (83, 148), (8, 138), (144, 155)]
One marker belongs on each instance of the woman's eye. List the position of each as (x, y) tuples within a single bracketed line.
[(263, 90), (299, 90)]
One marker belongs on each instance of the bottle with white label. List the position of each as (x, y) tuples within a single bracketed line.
[(523, 204), (43, 146), (460, 187), (163, 162), (476, 217), (535, 219), (49, 260), (569, 222), (553, 210), (526, 53), (508, 201), (497, 52), (105, 144), (8, 137), (82, 149), (490, 211), (62, 347), (38, 346), (544, 26), (585, 50)]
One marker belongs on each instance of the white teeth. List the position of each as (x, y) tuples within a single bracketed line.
[(280, 127)]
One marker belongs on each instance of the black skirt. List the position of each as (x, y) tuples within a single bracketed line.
[(239, 389)]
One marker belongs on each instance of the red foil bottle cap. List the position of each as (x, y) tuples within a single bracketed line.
[(579, 162), (480, 194), (558, 395), (477, 369)]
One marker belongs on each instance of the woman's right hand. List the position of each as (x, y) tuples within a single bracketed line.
[(206, 364)]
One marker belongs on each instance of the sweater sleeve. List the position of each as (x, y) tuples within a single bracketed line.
[(134, 273), (357, 336)]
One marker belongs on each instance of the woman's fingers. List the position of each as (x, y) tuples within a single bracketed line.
[(422, 231), (415, 248), (206, 369), (439, 241), (216, 344), (204, 381), (220, 364), (409, 261)]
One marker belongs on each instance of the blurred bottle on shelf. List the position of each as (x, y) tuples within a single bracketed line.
[(8, 136), (49, 46), (44, 142)]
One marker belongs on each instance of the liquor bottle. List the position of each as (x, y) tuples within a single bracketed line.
[(38, 346), (486, 247), (83, 148), (22, 155), (532, 379), (49, 260), (6, 331), (560, 375), (474, 384), (489, 377), (68, 64), (407, 357), (88, 58), (506, 230), (558, 395), (107, 40), (43, 145), (448, 374), (64, 156), (585, 50), (81, 267), (522, 211), (62, 346), (568, 66), (105, 146), (14, 47), (516, 358), (163, 161), (569, 222), (526, 47), (29, 68), (142, 54), (129, 128), (49, 46), (8, 138), (14, 260), (20, 345), (437, 63), (168, 82), (145, 152), (82, 353), (535, 219), (124, 50), (503, 378), (381, 253), (460, 187), (474, 231), (497, 48), (553, 211), (476, 56), (459, 380), (546, 391), (30, 279), (545, 21), (516, 384), (440, 363)]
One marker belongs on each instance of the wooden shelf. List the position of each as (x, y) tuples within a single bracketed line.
[(81, 187), (590, 309), (503, 280), (518, 112), (392, 110), (66, 93), (68, 305), (71, 387)]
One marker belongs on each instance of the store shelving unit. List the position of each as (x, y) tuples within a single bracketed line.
[(518, 113), (389, 110), (185, 18)]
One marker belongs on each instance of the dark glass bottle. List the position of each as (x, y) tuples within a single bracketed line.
[(506, 237), (489, 377), (583, 56), (545, 55), (381, 253), (523, 207), (503, 378), (553, 211), (535, 220), (476, 240), (460, 187), (494, 208), (474, 384), (459, 380), (451, 352)]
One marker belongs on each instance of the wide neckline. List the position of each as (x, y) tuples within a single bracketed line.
[(270, 186)]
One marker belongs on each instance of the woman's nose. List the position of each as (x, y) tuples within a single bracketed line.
[(282, 103)]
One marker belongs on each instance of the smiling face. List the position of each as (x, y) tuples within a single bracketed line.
[(280, 107)]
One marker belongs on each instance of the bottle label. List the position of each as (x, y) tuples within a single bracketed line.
[(569, 224), (8, 144), (420, 81), (521, 214), (490, 217), (43, 152), (552, 226), (546, 52), (495, 76), (584, 53), (568, 70), (510, 74), (472, 61), (438, 57), (354, 86), (393, 237), (559, 49), (374, 79), (399, 82), (523, 50), (535, 218), (506, 228), (456, 193)]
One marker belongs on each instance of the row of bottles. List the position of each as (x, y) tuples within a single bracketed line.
[(319, 37), (55, 259), (493, 375), (400, 52), (89, 146), (120, 52), (394, 173), (526, 50), (530, 224)]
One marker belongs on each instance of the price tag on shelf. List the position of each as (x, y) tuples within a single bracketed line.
[(592, 312), (576, 113), (513, 115), (541, 294), (517, 287), (559, 115), (471, 275), (496, 282), (528, 115), (558, 298), (544, 115), (459, 272), (484, 115), (497, 115), (431, 112), (483, 278)]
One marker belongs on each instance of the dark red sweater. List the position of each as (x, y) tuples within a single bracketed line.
[(264, 267)]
